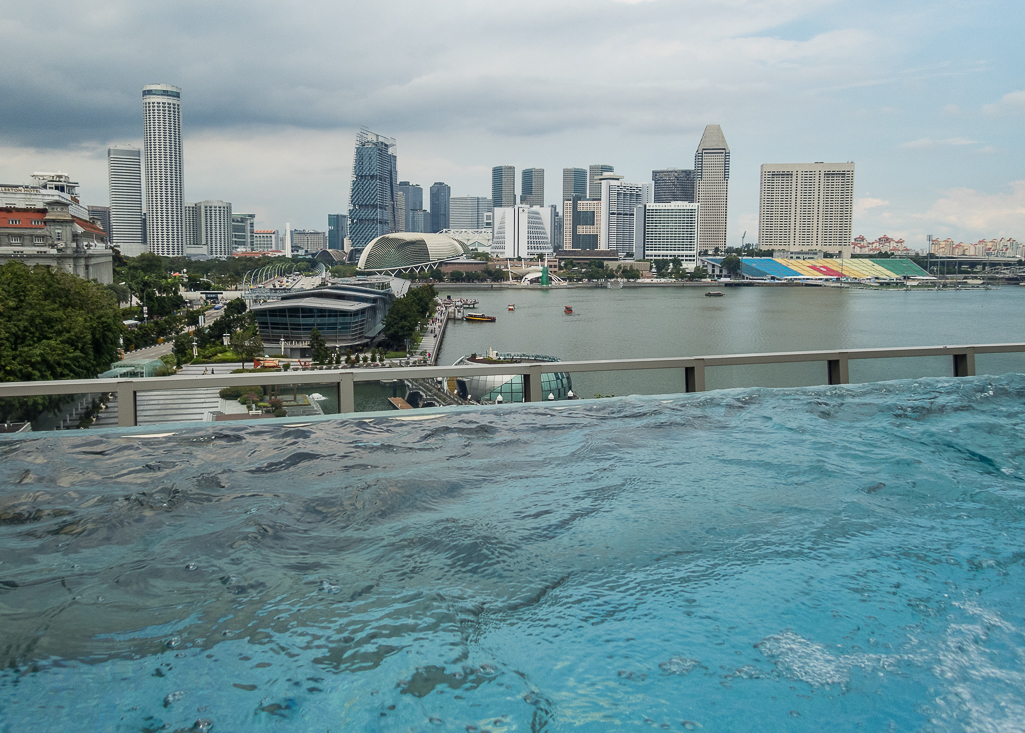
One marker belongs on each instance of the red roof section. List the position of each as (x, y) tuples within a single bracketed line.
[(24, 217), (89, 226)]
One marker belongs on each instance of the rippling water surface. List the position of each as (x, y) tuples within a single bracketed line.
[(741, 560)]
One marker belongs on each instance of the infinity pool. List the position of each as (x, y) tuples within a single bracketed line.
[(740, 560)]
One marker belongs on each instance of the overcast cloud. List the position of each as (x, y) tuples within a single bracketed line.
[(924, 95)]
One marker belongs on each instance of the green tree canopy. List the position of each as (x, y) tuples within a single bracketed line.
[(247, 343), (53, 325), (318, 346), (731, 263)]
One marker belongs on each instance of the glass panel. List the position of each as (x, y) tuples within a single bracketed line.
[(884, 370), (1000, 363), (798, 374)]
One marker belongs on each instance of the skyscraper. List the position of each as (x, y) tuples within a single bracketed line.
[(593, 172), (807, 206), (503, 185), (440, 195), (412, 199), (124, 179), (213, 221), (372, 194), (101, 213), (242, 227), (532, 190), (619, 201), (663, 231), (673, 184), (712, 176), (523, 231), (469, 212), (165, 185), (574, 183), (337, 230)]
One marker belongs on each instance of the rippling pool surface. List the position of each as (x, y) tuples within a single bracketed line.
[(740, 560)]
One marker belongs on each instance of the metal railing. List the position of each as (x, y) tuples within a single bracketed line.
[(836, 372)]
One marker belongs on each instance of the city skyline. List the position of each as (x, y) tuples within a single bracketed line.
[(935, 139)]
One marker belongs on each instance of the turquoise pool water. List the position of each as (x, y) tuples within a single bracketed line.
[(741, 560)]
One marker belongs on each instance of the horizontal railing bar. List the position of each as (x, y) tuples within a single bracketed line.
[(94, 386)]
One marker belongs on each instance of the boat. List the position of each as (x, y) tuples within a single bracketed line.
[(713, 293), (568, 310), (512, 306), (479, 317)]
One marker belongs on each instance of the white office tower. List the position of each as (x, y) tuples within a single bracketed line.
[(807, 206), (665, 231), (124, 179), (523, 231), (711, 184), (213, 223), (469, 212), (265, 240), (619, 200), (165, 186)]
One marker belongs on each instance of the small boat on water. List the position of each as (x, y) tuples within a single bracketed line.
[(479, 317), (713, 293), (568, 310), (512, 306)]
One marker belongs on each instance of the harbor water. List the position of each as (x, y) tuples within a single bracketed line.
[(631, 323)]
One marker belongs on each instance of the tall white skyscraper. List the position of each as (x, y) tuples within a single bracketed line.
[(712, 177), (124, 179), (213, 220), (523, 231), (619, 201), (165, 186), (663, 231), (807, 206)]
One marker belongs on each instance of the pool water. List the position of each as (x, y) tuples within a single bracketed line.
[(758, 559)]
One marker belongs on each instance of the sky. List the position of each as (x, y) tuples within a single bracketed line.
[(927, 97)]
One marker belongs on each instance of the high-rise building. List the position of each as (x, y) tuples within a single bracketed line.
[(581, 222), (265, 240), (469, 212), (165, 184), (574, 183), (663, 231), (712, 177), (593, 173), (101, 214), (807, 206), (619, 201), (673, 184), (440, 195), (412, 198), (309, 240), (532, 190), (190, 231), (213, 221), (337, 230), (124, 179), (419, 220), (523, 231), (372, 210), (503, 185), (242, 226)]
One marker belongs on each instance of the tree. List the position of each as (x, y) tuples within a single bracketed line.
[(318, 346), (53, 325), (661, 267), (182, 348), (731, 264), (247, 344)]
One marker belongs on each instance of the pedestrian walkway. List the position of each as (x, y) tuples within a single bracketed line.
[(431, 341)]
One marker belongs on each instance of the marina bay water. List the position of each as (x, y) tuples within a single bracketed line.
[(655, 322), (743, 560)]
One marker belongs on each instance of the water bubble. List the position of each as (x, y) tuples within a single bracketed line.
[(435, 721), (203, 725), (795, 714), (326, 587), (173, 698), (678, 665), (173, 642), (191, 566), (691, 725)]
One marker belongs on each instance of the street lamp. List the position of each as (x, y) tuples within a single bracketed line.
[(195, 348)]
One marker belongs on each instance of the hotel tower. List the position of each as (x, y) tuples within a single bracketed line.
[(165, 200)]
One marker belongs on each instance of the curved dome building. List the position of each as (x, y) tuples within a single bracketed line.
[(410, 251), (510, 387)]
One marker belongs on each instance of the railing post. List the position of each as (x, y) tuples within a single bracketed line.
[(964, 364), (532, 385), (694, 377), (126, 405), (839, 370), (346, 393)]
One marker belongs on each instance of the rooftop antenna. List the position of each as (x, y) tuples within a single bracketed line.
[(742, 237)]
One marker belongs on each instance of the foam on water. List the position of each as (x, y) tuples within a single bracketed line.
[(738, 560)]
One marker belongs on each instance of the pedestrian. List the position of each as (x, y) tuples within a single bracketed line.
[(204, 370), (213, 371)]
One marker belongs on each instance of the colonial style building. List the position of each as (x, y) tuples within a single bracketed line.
[(52, 235)]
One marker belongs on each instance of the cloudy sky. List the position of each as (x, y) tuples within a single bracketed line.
[(926, 96)]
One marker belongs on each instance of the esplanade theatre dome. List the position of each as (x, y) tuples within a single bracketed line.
[(410, 251)]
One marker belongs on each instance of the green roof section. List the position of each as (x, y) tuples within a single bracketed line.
[(902, 267)]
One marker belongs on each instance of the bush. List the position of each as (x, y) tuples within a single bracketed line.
[(234, 393), (281, 412)]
